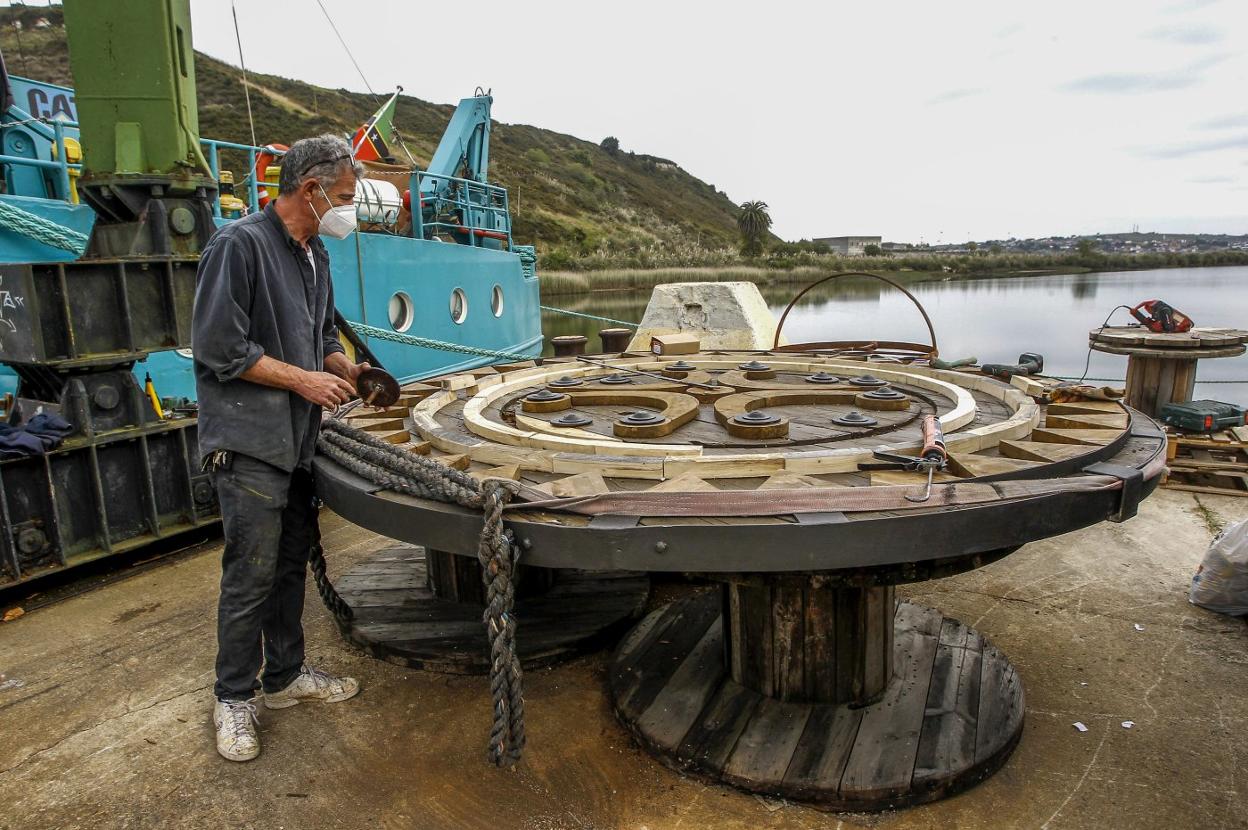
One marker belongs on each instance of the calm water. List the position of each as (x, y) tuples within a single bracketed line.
[(993, 319)]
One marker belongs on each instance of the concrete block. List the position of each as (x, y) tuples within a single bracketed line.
[(725, 315)]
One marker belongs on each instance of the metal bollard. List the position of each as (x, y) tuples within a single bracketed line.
[(569, 345), (615, 340)]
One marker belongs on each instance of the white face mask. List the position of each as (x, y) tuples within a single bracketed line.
[(337, 222)]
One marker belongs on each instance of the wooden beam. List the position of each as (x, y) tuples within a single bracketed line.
[(1095, 437), (1037, 451), (686, 483), (1116, 420), (973, 466), (582, 484)]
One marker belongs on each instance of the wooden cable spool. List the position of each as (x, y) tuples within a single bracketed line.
[(803, 676)]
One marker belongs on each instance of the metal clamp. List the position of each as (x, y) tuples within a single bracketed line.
[(1132, 479)]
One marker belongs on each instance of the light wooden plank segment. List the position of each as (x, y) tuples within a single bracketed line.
[(1036, 451), (1093, 437), (982, 465), (582, 484), (1113, 420), (687, 483)]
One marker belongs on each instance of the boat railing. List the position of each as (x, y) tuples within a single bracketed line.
[(214, 146), (461, 207), (473, 212), (53, 130)]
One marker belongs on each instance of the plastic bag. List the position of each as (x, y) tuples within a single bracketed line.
[(1221, 581)]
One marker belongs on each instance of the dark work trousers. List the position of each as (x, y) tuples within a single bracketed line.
[(269, 516)]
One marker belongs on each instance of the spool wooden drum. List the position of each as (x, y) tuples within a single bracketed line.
[(798, 673)]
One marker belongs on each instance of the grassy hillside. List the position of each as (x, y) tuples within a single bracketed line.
[(570, 197)]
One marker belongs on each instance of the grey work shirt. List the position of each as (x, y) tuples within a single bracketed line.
[(258, 294)]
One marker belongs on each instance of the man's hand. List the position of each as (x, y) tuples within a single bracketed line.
[(340, 365), (321, 388), (324, 389)]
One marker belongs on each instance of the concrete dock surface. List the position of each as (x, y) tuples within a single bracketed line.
[(105, 711)]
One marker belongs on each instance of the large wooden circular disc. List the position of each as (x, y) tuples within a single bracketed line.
[(400, 620), (724, 471), (950, 717)]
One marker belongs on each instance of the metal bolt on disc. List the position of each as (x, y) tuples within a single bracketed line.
[(542, 396), (868, 380), (377, 387), (642, 418), (756, 418), (884, 393), (855, 419), (565, 381), (572, 419), (822, 377), (754, 366), (617, 378), (680, 366)]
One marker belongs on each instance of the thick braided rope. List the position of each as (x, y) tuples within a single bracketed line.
[(496, 555), (329, 595), (384, 464), (42, 230), (442, 345)]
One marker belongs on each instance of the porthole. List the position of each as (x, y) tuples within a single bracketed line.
[(459, 305), (402, 312), (496, 301)]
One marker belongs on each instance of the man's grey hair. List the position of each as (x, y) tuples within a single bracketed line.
[(325, 158)]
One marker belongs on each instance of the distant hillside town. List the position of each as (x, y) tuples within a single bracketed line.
[(1110, 243)]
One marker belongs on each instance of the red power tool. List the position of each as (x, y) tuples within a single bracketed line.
[(1161, 317)]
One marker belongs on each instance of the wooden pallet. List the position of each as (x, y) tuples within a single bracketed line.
[(1215, 464)]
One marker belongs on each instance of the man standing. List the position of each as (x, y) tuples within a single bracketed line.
[(267, 360)]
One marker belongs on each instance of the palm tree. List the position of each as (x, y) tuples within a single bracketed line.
[(753, 222)]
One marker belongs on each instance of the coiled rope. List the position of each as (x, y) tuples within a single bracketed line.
[(400, 471), (572, 313), (42, 230)]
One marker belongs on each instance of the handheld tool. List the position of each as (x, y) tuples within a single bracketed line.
[(377, 387), (149, 389), (1161, 317), (1029, 363), (932, 457)]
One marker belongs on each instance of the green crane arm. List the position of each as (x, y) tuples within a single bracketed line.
[(134, 73)]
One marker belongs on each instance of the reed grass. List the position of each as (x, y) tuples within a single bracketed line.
[(627, 279)]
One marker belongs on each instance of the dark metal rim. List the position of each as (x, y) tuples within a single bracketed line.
[(813, 543)]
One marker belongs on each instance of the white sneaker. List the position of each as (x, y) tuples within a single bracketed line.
[(236, 729), (313, 684)]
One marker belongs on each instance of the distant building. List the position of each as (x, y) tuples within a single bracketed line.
[(849, 245)]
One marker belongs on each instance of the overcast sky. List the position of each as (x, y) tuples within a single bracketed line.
[(911, 120)]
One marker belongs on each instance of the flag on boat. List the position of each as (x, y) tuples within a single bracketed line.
[(369, 142)]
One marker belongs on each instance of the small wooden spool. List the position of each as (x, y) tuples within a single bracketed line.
[(1161, 367)]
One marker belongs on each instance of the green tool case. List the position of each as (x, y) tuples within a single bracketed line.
[(1203, 416)]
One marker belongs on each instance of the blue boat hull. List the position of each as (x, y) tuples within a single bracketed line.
[(427, 272)]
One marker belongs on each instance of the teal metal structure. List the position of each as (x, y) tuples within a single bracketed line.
[(457, 277)]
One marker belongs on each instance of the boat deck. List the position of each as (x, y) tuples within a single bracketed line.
[(105, 701)]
